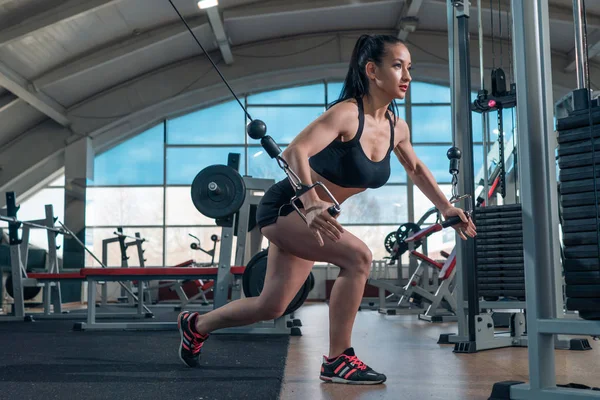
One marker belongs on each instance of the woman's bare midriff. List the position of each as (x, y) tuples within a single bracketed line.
[(341, 194)]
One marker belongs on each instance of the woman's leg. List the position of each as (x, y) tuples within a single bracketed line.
[(349, 253), (285, 275)]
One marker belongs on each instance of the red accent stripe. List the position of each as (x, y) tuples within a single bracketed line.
[(350, 373), (187, 336), (338, 369)]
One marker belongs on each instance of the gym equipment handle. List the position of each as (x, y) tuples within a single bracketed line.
[(451, 222)]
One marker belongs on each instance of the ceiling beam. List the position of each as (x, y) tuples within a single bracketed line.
[(21, 88), (7, 101), (69, 10), (289, 7), (219, 31), (120, 50), (557, 13), (408, 20), (593, 51)]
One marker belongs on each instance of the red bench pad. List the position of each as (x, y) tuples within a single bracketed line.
[(449, 266), (427, 259), (424, 233), (237, 270), (55, 277), (187, 263), (137, 271)]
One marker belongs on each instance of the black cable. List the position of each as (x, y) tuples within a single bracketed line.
[(210, 59), (492, 23), (500, 34)]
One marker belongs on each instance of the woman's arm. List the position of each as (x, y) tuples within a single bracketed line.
[(314, 138), (417, 171), (424, 180)]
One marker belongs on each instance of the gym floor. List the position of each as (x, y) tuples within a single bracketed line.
[(406, 350)]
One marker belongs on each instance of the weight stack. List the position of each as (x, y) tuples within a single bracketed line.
[(499, 247), (579, 196)]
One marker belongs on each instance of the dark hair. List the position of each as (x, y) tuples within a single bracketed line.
[(367, 48)]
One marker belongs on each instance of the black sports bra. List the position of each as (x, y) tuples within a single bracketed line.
[(346, 164)]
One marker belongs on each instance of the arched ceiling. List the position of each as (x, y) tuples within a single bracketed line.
[(108, 69)]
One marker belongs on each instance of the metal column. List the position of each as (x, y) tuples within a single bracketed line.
[(581, 50), (463, 139), (539, 200)]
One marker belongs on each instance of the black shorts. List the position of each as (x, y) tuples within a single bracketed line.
[(276, 203)]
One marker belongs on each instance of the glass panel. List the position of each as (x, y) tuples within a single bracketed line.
[(398, 174), (285, 123), (153, 247), (422, 92), (388, 204), (477, 126), (477, 159), (183, 164), (124, 206), (431, 124), (311, 94), (261, 165), (422, 203), (334, 90), (436, 160), (181, 210), (507, 120), (60, 181), (34, 208), (179, 241), (219, 124), (138, 161)]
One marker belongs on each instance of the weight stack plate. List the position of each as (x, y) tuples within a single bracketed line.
[(579, 195)]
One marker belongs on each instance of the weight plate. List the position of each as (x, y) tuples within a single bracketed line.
[(501, 208), (580, 199), (568, 132), (494, 242), (494, 235), (407, 229), (573, 174), (583, 264), (218, 191), (500, 267), (518, 228), (574, 304), (501, 279), (576, 252), (390, 241), (581, 212), (582, 278), (499, 260), (29, 292), (577, 160), (584, 291), (498, 215), (570, 148), (484, 255), (502, 286), (253, 281), (499, 221), (499, 247), (579, 186), (311, 281), (576, 239), (502, 293), (501, 274)]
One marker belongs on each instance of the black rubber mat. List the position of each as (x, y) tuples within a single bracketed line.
[(46, 359)]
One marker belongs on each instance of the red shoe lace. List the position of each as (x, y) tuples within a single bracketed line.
[(356, 362)]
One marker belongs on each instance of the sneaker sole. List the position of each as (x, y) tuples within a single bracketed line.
[(336, 379)]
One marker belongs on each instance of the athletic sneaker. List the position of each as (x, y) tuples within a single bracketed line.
[(191, 341), (347, 368)]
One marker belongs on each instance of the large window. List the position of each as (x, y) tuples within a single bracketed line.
[(143, 184)]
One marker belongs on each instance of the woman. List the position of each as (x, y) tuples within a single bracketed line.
[(348, 149)]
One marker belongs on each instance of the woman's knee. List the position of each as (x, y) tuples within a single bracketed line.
[(269, 309), (360, 260)]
